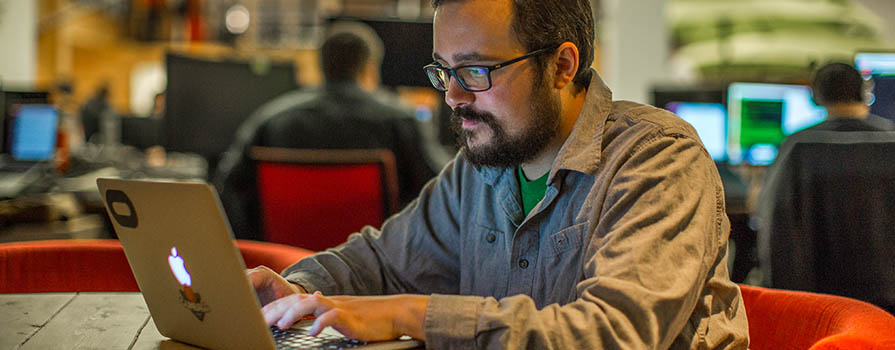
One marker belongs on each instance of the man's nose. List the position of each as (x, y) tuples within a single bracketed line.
[(456, 95)]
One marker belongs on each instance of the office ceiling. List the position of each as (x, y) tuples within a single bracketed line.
[(729, 40)]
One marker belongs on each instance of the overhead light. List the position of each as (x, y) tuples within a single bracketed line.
[(237, 19)]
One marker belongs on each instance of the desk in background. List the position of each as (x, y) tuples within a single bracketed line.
[(63, 206)]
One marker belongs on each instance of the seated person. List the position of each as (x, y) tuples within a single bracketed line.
[(814, 197), (567, 220), (841, 90), (343, 114)]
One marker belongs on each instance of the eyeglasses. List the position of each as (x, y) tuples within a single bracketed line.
[(472, 78)]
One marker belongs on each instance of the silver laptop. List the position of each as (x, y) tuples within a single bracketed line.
[(180, 248)]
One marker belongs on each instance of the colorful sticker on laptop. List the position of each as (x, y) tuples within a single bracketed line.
[(190, 299)]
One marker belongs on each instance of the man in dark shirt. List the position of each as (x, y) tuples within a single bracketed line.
[(343, 114), (841, 90)]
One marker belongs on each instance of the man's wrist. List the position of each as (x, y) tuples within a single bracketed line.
[(412, 321)]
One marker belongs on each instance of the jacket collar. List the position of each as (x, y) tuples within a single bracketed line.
[(582, 150)]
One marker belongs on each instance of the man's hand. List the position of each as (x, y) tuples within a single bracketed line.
[(368, 318), (270, 286)]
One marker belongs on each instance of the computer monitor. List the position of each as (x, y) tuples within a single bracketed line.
[(880, 68), (665, 94), (408, 47), (760, 116), (207, 100), (710, 122), (32, 136), (10, 100)]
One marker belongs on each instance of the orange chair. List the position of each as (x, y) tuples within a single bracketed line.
[(315, 198), (791, 320), (100, 265)]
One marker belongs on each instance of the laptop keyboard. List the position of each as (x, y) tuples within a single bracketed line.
[(299, 339)]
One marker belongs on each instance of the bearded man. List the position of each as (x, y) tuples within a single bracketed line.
[(566, 221)]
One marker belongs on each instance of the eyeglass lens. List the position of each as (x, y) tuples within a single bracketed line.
[(471, 78)]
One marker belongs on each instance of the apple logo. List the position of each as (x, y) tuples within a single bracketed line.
[(179, 269)]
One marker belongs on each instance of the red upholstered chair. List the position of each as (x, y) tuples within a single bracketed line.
[(275, 256), (314, 199), (100, 265), (791, 320)]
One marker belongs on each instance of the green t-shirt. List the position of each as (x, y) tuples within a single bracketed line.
[(532, 191)]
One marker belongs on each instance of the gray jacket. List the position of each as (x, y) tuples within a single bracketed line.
[(627, 250)]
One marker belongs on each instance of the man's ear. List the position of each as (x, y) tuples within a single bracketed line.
[(368, 79), (566, 61)]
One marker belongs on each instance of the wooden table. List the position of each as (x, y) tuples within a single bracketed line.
[(78, 321)]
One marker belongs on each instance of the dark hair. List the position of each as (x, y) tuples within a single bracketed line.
[(347, 48), (542, 23), (837, 83)]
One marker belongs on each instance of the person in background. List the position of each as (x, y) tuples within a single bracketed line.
[(92, 112), (346, 113), (841, 90), (566, 221), (783, 238)]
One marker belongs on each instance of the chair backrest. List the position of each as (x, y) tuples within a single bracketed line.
[(784, 320), (828, 214), (315, 198), (100, 265)]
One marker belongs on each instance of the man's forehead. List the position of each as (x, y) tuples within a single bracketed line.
[(496, 13), (473, 30)]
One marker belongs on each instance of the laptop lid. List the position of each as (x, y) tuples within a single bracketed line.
[(180, 248), (192, 276)]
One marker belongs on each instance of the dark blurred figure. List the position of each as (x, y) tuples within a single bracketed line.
[(343, 114), (841, 90), (93, 110)]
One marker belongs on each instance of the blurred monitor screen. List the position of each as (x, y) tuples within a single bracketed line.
[(760, 116), (207, 100), (33, 133), (13, 99), (879, 67), (663, 95), (408, 47), (875, 63), (709, 120)]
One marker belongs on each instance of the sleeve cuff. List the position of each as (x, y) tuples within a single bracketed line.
[(451, 321)]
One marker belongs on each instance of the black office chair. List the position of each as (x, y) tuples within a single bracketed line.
[(827, 216)]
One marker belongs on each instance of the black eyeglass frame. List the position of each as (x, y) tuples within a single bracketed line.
[(488, 69)]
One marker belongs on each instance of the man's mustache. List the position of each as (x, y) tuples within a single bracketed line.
[(470, 114)]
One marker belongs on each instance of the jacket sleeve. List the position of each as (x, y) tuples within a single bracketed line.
[(414, 252), (655, 243)]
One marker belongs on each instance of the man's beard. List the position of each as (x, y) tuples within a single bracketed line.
[(505, 151)]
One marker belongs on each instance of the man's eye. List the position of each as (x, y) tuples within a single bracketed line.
[(478, 72)]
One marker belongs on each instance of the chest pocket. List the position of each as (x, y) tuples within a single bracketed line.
[(565, 240)]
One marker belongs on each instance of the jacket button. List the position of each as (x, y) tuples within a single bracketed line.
[(490, 238), (523, 263)]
